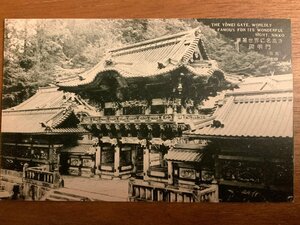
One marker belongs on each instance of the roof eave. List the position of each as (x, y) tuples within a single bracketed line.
[(209, 136)]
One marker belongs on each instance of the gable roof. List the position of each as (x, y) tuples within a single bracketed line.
[(52, 97), (265, 83), (33, 121), (44, 112), (264, 111), (183, 155), (151, 58), (186, 152), (48, 97)]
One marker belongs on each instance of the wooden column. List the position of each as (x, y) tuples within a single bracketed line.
[(170, 172), (117, 161), (215, 196), (24, 170), (50, 157), (98, 158), (133, 157), (217, 167), (58, 160)]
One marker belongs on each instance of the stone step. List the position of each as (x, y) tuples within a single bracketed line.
[(11, 179), (63, 197), (53, 199), (7, 185), (63, 194), (92, 196)]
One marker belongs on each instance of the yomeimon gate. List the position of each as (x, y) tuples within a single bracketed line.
[(146, 95)]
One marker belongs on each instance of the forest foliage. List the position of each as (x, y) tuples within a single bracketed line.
[(37, 52)]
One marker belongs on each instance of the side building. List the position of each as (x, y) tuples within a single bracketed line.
[(35, 133), (251, 137)]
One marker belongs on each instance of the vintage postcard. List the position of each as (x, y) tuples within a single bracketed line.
[(155, 110)]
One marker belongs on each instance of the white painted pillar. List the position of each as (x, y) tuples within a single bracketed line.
[(146, 162), (214, 184), (133, 157), (98, 158), (24, 170), (170, 172), (58, 161), (117, 161)]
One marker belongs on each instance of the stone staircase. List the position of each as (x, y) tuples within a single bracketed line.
[(70, 194), (9, 179), (10, 176), (76, 188), (63, 194)]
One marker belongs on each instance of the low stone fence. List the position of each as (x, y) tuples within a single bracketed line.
[(140, 190), (37, 182)]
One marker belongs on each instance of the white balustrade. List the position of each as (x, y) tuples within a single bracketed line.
[(143, 191)]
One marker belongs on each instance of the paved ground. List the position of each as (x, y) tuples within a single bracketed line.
[(111, 190)]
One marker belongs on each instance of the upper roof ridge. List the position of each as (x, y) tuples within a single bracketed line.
[(10, 110), (154, 40)]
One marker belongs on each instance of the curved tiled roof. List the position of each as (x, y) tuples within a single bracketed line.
[(34, 120), (51, 97), (264, 110), (184, 155), (48, 97), (149, 58), (44, 112)]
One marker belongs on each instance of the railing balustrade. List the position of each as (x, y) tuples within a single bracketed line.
[(143, 191), (40, 175), (142, 118)]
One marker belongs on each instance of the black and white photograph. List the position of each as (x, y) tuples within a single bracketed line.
[(147, 110)]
